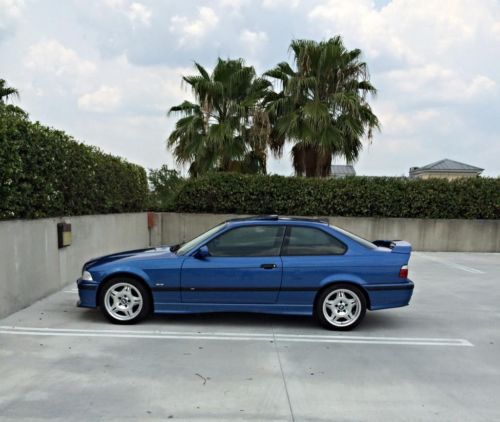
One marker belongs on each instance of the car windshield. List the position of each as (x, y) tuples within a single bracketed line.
[(197, 241), (355, 237)]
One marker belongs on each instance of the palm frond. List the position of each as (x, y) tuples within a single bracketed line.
[(202, 71)]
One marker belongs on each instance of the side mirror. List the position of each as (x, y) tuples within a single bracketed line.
[(202, 253)]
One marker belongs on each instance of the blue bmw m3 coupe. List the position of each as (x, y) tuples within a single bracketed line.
[(264, 264)]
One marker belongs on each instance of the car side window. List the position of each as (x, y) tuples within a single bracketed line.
[(303, 241), (248, 241)]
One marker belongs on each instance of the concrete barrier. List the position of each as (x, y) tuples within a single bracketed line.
[(32, 266), (423, 234)]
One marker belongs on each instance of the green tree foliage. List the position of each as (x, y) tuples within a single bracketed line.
[(226, 127), (44, 173), (354, 196), (322, 106), (165, 185)]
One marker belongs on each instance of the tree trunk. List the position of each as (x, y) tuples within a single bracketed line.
[(324, 165), (311, 161), (308, 161)]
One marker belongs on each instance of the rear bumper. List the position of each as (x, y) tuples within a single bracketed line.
[(87, 291), (384, 296)]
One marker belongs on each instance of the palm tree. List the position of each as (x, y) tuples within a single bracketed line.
[(225, 128), (7, 92), (322, 106)]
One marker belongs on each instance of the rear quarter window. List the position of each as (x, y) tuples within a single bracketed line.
[(304, 241), (358, 239)]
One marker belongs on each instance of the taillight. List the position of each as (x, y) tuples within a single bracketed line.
[(403, 272)]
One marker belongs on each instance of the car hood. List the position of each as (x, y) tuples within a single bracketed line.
[(148, 253)]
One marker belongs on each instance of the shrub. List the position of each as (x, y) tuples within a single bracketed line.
[(354, 196), (44, 173)]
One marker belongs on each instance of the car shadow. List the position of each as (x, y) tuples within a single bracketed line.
[(373, 322), (235, 320)]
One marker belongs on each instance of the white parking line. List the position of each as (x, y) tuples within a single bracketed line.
[(281, 337), (449, 263)]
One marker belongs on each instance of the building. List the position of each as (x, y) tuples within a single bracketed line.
[(341, 171), (446, 169)]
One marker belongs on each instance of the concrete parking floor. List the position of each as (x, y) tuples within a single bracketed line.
[(438, 359)]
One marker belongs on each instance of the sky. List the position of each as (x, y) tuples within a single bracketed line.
[(107, 71)]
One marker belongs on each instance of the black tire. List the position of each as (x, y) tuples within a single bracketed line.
[(343, 323), (136, 291)]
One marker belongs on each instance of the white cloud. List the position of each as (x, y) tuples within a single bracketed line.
[(495, 29), (436, 83), (253, 40), (397, 123), (194, 29), (274, 4), (137, 12), (136, 90), (480, 85), (236, 5), (10, 10), (105, 99), (115, 4), (52, 56), (361, 21), (410, 29), (148, 90)]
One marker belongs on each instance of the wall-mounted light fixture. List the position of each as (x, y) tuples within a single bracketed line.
[(63, 235)]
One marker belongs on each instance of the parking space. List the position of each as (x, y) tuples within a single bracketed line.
[(438, 359)]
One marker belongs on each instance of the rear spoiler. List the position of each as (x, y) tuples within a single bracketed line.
[(397, 246)]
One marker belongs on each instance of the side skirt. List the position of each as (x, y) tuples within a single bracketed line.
[(192, 308)]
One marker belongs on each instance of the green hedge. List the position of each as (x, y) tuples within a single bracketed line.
[(354, 196), (45, 173)]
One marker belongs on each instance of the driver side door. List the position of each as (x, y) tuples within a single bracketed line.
[(243, 266)]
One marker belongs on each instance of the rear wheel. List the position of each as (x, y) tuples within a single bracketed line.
[(124, 300), (341, 307)]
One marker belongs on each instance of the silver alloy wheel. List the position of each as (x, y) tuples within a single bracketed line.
[(342, 307), (123, 301)]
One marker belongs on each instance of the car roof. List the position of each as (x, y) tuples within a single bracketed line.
[(275, 217)]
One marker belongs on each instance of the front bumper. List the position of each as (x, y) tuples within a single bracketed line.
[(384, 296), (87, 291)]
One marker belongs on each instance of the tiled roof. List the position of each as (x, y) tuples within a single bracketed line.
[(340, 170), (448, 165)]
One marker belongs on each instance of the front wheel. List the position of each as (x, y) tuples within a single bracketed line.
[(341, 307), (124, 301)]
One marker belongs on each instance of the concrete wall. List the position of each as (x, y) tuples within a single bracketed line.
[(445, 175), (32, 266), (423, 234)]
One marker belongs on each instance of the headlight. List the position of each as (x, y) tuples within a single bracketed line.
[(86, 276)]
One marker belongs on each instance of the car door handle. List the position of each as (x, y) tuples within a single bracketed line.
[(268, 266)]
